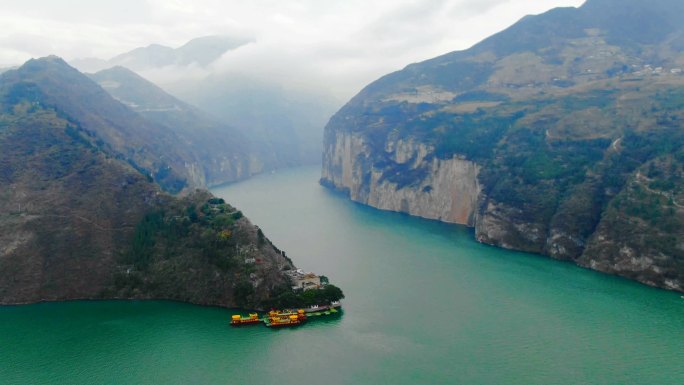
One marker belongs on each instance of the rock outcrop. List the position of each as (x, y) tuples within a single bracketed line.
[(445, 190)]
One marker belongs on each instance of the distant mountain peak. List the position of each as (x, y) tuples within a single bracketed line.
[(120, 70), (221, 40), (156, 46), (204, 50), (46, 60), (201, 51), (53, 69)]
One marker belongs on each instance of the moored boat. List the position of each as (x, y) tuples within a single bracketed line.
[(284, 318), (237, 320), (287, 317)]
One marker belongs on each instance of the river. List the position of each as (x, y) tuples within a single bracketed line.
[(425, 304)]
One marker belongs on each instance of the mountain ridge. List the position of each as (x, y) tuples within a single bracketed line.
[(77, 221), (178, 147), (67, 90)]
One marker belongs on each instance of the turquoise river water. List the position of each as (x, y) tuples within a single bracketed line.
[(426, 304)]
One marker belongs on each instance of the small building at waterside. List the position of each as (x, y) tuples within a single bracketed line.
[(304, 281)]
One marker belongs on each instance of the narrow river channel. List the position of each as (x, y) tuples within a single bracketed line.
[(425, 304)]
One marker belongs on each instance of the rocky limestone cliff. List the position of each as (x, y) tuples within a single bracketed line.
[(407, 177), (446, 190), (209, 170), (561, 135)]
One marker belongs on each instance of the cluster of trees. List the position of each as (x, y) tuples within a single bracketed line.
[(205, 231), (203, 228), (290, 299), (473, 135)]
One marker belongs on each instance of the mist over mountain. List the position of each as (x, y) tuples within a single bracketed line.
[(224, 153), (288, 121), (278, 119), (164, 138), (200, 51)]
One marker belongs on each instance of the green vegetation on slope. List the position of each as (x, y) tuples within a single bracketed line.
[(288, 299), (78, 222), (563, 112)]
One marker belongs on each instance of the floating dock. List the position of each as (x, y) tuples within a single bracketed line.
[(323, 313)]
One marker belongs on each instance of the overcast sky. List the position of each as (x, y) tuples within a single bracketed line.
[(341, 44)]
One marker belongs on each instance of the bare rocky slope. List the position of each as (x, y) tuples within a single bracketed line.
[(561, 135), (79, 221)]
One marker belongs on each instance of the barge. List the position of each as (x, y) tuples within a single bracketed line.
[(237, 320), (277, 318)]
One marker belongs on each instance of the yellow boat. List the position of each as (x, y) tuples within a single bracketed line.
[(281, 318), (237, 319)]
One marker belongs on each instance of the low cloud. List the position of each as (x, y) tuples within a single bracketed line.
[(336, 46)]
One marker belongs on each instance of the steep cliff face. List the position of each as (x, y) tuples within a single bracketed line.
[(445, 190), (637, 235), (641, 232), (498, 224), (561, 136)]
